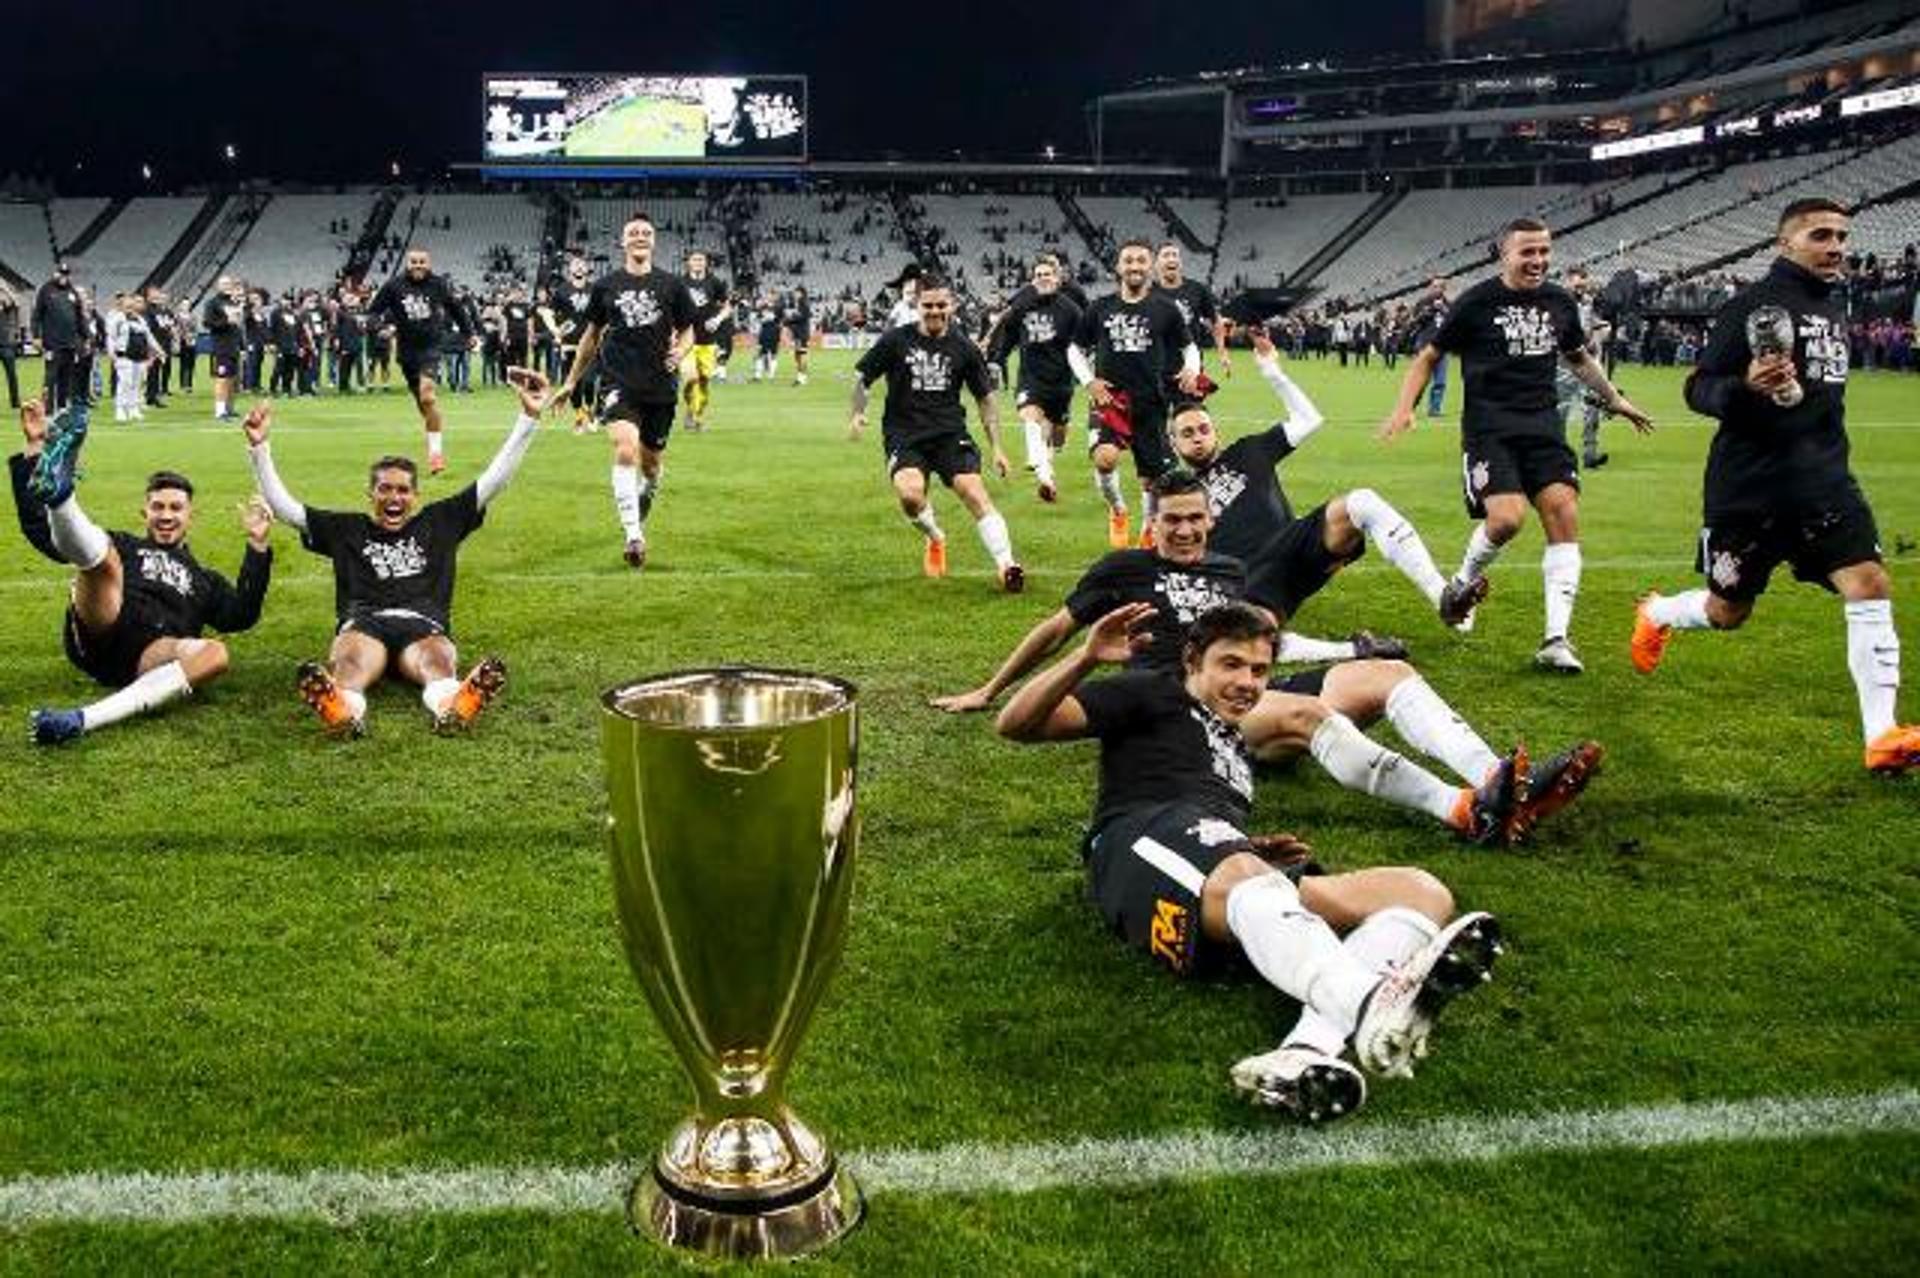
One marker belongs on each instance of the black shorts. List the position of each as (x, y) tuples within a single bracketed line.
[(110, 658), (1152, 450), (1294, 564), (1500, 464), (1737, 554), (415, 365), (655, 421), (1301, 683), (945, 455), (397, 629), (1146, 870), (226, 362), (1054, 402)]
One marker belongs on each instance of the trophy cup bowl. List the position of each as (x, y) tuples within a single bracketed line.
[(732, 828)]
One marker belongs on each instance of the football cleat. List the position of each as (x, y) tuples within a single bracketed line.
[(58, 468), (635, 552), (1649, 641), (1368, 646), (1309, 1086), (1146, 535), (322, 694), (1894, 751), (1559, 781), (1594, 461), (1459, 598), (1558, 656), (56, 727), (1049, 491), (1494, 811), (1398, 1016), (933, 562), (1013, 579), (1119, 530), (482, 684)]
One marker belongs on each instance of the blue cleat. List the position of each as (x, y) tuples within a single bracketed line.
[(59, 464), (57, 727)]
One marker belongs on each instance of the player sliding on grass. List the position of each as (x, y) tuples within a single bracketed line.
[(924, 427), (1778, 485), (139, 602), (1174, 871), (1317, 712), (393, 574)]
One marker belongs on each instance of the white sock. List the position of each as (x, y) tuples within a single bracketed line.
[(994, 536), (1295, 950), (626, 498), (219, 408), (1038, 453), (1436, 730), (1148, 504), (79, 540), (1295, 647), (356, 702), (1481, 552), (646, 490), (1685, 611), (1873, 655), (1560, 569), (1388, 529), (1109, 485), (438, 693), (433, 444), (149, 692), (927, 524), (1383, 940), (1360, 763)]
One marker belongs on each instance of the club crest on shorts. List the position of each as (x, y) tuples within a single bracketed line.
[(1478, 476), (1725, 569)]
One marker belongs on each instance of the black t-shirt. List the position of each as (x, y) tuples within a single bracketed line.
[(225, 323), (1249, 506), (639, 314), (799, 319), (411, 567), (168, 593), (569, 307), (517, 316), (1197, 307), (1158, 745), (1136, 346), (1765, 457), (1509, 342), (767, 326), (349, 329), (286, 329), (1179, 593), (1042, 326), (709, 294), (424, 312), (924, 376)]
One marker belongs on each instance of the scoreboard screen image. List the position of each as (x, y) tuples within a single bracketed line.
[(645, 117)]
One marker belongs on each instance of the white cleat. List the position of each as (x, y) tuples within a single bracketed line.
[(1558, 656), (1398, 1016), (1310, 1086)]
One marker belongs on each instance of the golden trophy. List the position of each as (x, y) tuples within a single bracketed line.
[(733, 833)]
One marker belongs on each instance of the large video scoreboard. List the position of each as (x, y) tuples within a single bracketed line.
[(689, 118)]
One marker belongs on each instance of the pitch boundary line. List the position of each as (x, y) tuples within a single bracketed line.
[(342, 1196)]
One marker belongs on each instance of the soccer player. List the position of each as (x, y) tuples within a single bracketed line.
[(224, 319), (1173, 871), (566, 316), (711, 310), (924, 428), (1196, 302), (1290, 558), (139, 601), (639, 326), (393, 577), (1129, 347), (1778, 486), (766, 324), (1041, 323), (799, 321), (425, 317), (1510, 332), (1568, 388)]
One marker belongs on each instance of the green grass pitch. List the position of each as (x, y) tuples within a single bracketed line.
[(228, 943), (646, 127)]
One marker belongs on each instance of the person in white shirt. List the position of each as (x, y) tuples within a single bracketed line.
[(131, 344)]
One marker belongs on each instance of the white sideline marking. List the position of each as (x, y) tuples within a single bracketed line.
[(342, 1197)]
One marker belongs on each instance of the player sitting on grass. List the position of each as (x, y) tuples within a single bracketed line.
[(393, 573), (139, 601), (1174, 872)]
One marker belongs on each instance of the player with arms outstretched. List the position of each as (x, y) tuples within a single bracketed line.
[(426, 317)]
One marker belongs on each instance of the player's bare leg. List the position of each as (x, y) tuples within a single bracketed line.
[(427, 399), (1559, 507), (337, 690), (452, 703), (1106, 478), (910, 488), (169, 669), (992, 526), (800, 364)]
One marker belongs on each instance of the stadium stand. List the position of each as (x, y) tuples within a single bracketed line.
[(295, 244), (132, 245)]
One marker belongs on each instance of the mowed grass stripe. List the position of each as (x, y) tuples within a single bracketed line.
[(343, 1197)]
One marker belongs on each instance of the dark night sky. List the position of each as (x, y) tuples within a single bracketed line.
[(333, 89)]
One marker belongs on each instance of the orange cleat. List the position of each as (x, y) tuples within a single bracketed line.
[(482, 684), (323, 696), (1894, 751), (934, 562), (1649, 639), (1146, 536), (1119, 530)]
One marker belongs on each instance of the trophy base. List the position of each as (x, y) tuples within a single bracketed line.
[(783, 1227)]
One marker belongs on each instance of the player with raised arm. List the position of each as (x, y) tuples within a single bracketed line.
[(1511, 332), (1290, 558), (1131, 346), (639, 327), (1173, 870), (1040, 323), (1779, 488), (139, 601), (924, 428), (393, 577), (711, 311), (426, 316), (1206, 327)]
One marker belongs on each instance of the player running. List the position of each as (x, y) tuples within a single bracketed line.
[(426, 317), (1040, 323), (639, 326), (711, 311), (924, 428), (1778, 485), (1174, 872), (1205, 326), (798, 318), (566, 317), (139, 602), (393, 577), (1510, 333)]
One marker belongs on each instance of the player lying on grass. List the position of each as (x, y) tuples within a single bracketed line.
[(393, 574), (139, 602), (1317, 712), (1174, 871)]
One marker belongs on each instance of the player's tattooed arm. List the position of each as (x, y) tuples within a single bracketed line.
[(1588, 370), (1413, 384), (1045, 709), (989, 405)]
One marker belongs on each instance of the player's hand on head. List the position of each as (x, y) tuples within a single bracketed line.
[(963, 702), (1117, 636)]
